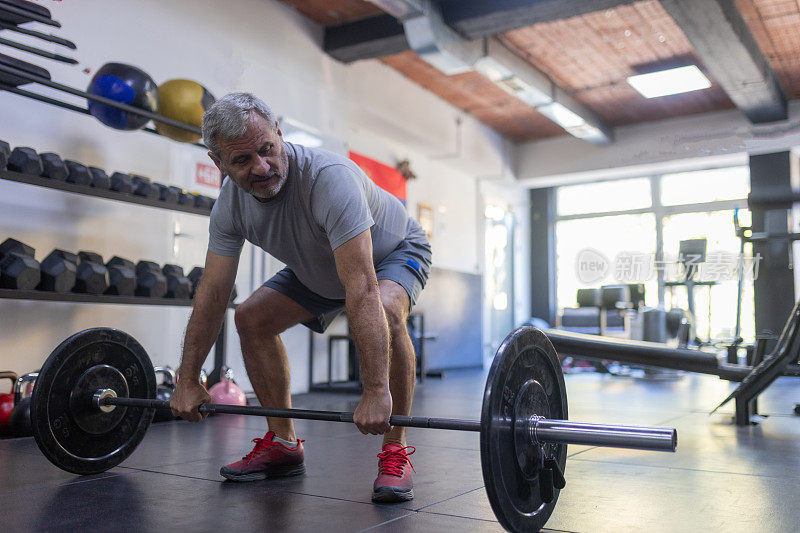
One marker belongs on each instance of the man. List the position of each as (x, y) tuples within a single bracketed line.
[(348, 245)]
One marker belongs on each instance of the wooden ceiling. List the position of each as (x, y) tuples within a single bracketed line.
[(590, 56)]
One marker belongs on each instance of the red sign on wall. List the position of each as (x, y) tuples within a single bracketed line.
[(386, 177), (208, 175)]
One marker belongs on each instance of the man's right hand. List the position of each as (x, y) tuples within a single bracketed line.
[(186, 398)]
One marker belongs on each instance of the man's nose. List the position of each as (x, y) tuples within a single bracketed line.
[(262, 166)]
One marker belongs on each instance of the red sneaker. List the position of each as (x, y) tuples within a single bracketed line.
[(394, 483), (267, 460)]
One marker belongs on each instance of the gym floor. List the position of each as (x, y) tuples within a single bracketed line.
[(722, 478)]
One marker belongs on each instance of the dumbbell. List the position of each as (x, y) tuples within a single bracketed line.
[(121, 277), (195, 200), (100, 179), (5, 152), (18, 268), (194, 276), (92, 275), (59, 271), (144, 187), (168, 193), (77, 173), (26, 160), (197, 273), (178, 285), (185, 198), (53, 166), (203, 202), (121, 182), (150, 281)]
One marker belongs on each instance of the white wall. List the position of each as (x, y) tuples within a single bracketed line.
[(685, 143), (255, 45)]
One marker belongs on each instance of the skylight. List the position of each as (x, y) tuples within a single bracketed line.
[(671, 81)]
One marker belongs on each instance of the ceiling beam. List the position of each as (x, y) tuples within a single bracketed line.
[(731, 54), (382, 35), (481, 18)]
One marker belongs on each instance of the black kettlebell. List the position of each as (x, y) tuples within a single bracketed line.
[(164, 392), (20, 419)]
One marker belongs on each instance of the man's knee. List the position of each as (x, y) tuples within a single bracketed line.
[(251, 319), (395, 305)]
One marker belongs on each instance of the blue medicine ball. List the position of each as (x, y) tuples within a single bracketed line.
[(128, 85)]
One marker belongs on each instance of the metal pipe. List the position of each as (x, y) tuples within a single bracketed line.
[(638, 438), (65, 105), (8, 7), (636, 352), (43, 36), (38, 52)]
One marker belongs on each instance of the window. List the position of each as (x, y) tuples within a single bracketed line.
[(705, 186), (715, 305), (605, 240), (618, 224), (620, 195)]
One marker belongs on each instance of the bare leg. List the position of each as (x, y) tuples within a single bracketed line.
[(259, 320), (402, 360)]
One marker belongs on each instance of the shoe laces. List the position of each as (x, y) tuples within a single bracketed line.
[(393, 461), (263, 444)]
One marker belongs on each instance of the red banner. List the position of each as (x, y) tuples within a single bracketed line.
[(386, 177)]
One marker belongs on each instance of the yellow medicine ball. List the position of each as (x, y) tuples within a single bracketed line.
[(183, 100)]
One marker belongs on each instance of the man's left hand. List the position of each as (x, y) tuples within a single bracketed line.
[(373, 412)]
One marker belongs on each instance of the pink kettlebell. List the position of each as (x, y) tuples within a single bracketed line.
[(226, 391)]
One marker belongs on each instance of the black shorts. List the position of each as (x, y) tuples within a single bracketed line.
[(408, 265)]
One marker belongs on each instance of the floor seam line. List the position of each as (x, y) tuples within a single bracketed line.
[(386, 522), (450, 498)]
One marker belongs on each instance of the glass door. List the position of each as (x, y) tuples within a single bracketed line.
[(499, 282)]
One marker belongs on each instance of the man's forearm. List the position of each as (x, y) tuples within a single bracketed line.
[(202, 330), (371, 332)]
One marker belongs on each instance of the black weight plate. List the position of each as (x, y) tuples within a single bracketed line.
[(512, 485), (61, 410)]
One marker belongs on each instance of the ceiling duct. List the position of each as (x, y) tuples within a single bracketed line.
[(440, 46), (437, 43), (400, 9), (518, 77)]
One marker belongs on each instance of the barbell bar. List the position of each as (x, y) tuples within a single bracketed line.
[(95, 398), (541, 430)]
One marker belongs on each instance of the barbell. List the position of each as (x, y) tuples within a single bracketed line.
[(95, 398)]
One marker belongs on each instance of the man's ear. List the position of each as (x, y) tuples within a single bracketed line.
[(278, 129), (217, 162)]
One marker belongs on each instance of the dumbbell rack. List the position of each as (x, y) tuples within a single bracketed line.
[(48, 183), (219, 347)]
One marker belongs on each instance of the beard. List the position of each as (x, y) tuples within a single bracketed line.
[(272, 190)]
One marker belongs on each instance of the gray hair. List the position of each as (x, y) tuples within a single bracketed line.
[(228, 117)]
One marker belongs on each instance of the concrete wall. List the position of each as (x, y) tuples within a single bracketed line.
[(255, 45)]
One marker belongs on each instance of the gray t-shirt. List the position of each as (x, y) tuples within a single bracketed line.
[(327, 200)]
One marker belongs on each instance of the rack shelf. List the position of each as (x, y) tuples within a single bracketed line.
[(38, 181), (95, 298)]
